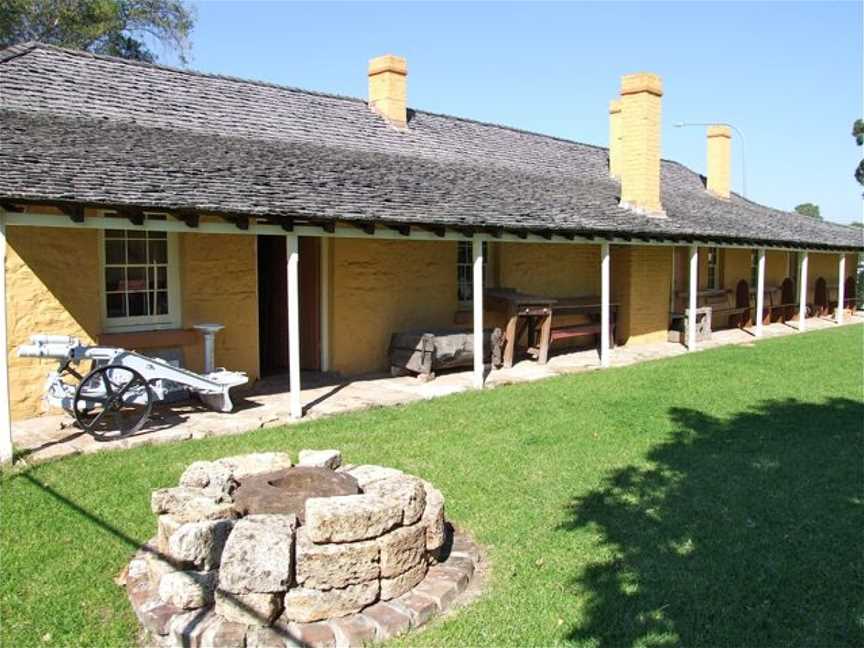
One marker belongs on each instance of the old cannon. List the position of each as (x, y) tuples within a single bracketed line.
[(115, 398)]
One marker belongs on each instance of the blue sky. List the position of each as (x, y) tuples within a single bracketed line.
[(789, 75)]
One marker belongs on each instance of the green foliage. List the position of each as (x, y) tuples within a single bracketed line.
[(124, 28), (809, 209), (858, 134), (712, 499)]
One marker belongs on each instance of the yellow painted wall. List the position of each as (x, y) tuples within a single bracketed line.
[(776, 268), (52, 286), (219, 283), (380, 287), (552, 270), (736, 267), (642, 281)]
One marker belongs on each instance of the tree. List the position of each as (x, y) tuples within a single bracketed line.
[(858, 134), (124, 28), (809, 209)]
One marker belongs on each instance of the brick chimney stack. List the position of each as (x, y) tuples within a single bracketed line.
[(720, 160), (388, 80), (641, 120)]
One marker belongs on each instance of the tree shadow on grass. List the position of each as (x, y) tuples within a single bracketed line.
[(744, 531)]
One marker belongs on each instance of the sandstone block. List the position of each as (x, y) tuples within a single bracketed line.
[(325, 566), (401, 549), (187, 629), (259, 608), (389, 621), (200, 543), (214, 478), (258, 555), (331, 459), (188, 589), (166, 525), (350, 518), (405, 489), (160, 564), (433, 517), (305, 604), (223, 634), (256, 462), (267, 637), (189, 504), (398, 585), (367, 473), (457, 576)]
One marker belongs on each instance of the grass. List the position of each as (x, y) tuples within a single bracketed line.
[(707, 500)]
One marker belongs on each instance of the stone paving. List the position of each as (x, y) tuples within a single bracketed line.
[(267, 404)]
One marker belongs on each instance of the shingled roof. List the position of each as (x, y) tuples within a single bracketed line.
[(95, 130)]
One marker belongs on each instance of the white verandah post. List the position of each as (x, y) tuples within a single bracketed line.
[(477, 298), (694, 288), (841, 288), (5, 418), (802, 277), (293, 260), (604, 304), (760, 291)]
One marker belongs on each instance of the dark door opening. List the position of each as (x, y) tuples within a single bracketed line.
[(273, 304)]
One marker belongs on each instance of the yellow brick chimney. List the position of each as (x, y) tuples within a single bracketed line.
[(641, 119), (616, 139), (388, 80), (719, 160)]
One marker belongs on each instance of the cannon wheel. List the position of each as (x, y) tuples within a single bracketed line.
[(112, 402)]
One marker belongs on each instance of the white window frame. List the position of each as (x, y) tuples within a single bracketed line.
[(145, 322), (487, 263), (712, 259)]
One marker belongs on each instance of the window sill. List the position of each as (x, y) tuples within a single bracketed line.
[(151, 339)]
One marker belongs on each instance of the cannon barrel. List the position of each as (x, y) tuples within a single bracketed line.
[(51, 350)]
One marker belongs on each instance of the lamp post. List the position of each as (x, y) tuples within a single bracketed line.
[(740, 135)]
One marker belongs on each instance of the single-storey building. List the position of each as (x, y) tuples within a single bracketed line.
[(137, 200)]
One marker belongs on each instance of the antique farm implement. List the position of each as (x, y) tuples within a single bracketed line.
[(115, 398)]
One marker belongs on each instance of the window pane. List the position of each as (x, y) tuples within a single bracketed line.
[(137, 304), (115, 251), (115, 279), (162, 278), (157, 235), (136, 234), (136, 279), (162, 302), (113, 234), (159, 251), (137, 251), (116, 305)]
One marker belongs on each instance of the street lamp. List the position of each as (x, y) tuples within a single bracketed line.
[(740, 135)]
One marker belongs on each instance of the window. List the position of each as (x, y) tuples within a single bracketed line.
[(465, 272), (713, 258), (139, 280)]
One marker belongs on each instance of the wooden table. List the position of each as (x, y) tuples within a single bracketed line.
[(522, 312)]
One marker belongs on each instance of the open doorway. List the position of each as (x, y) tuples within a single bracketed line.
[(273, 304)]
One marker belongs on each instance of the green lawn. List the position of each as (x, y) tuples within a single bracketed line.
[(714, 499)]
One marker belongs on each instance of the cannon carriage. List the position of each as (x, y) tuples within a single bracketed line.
[(116, 397)]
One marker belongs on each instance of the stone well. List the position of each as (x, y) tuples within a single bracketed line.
[(255, 551)]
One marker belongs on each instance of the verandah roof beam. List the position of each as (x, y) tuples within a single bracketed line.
[(330, 228)]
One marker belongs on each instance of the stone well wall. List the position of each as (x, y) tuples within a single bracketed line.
[(350, 569)]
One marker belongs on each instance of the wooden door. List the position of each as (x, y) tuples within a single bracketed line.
[(273, 304)]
